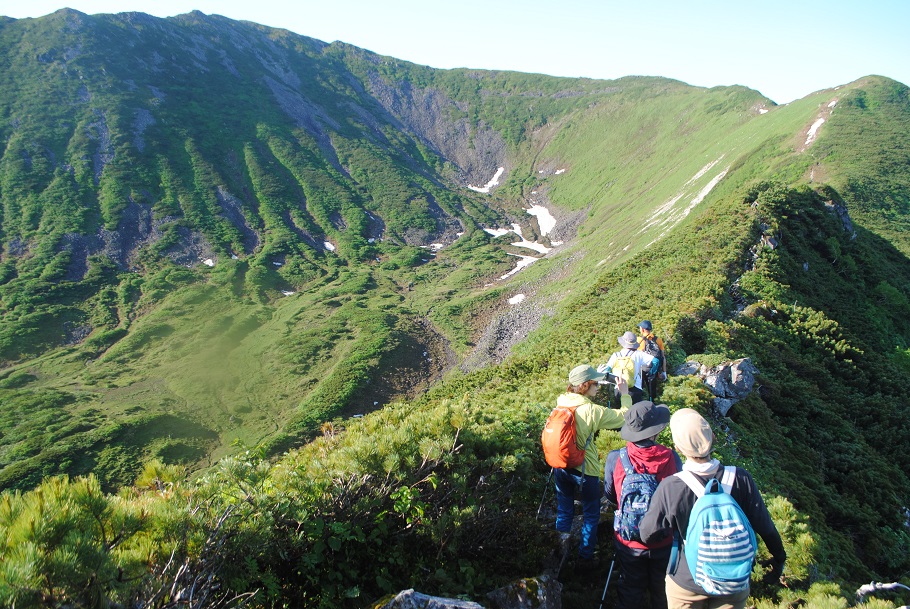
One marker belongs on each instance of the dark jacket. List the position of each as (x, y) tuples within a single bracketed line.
[(672, 503), (647, 457)]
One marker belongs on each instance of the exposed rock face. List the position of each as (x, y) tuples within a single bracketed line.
[(543, 592), (729, 381), (409, 599)]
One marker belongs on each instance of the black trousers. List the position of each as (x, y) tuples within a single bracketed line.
[(643, 571)]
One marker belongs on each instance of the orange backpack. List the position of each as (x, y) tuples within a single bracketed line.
[(558, 439)]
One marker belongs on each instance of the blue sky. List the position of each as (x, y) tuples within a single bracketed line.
[(785, 49)]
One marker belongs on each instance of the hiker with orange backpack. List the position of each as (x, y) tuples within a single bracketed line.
[(578, 466), (629, 363), (631, 476), (652, 345)]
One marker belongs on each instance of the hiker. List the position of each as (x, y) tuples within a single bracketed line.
[(589, 419), (643, 566), (628, 362), (652, 345), (673, 503)]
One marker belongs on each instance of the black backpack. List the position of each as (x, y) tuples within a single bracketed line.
[(652, 349)]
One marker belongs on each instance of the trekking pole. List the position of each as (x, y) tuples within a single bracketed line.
[(607, 585), (545, 489)]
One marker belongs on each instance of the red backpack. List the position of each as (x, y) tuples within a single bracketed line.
[(558, 439)]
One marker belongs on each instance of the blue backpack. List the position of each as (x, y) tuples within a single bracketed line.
[(637, 490), (720, 543)]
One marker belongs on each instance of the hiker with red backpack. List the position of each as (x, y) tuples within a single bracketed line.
[(631, 476), (629, 363), (654, 346), (714, 512), (578, 467)]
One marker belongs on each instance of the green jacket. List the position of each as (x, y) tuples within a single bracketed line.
[(589, 419)]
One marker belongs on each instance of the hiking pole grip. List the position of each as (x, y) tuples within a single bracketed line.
[(607, 585)]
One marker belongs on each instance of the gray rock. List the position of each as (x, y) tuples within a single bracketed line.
[(688, 369), (723, 405), (409, 599), (543, 592)]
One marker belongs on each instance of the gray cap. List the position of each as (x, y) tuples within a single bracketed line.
[(643, 420), (628, 340)]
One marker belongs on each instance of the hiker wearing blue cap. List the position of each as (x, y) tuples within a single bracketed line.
[(652, 345)]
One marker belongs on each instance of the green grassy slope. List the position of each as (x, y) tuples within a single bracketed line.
[(664, 192)]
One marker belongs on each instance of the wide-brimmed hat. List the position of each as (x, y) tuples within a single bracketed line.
[(692, 434), (583, 373), (643, 420), (628, 340)]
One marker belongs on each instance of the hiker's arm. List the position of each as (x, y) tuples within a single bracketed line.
[(761, 520), (608, 418), (657, 522), (608, 367), (655, 364), (609, 487)]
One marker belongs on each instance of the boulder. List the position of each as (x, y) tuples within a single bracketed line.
[(688, 369), (543, 592), (409, 599)]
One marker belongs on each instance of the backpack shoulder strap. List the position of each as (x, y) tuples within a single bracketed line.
[(626, 461), (729, 476), (692, 482)]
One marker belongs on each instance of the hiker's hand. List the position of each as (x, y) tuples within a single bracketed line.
[(622, 387), (602, 368), (663, 376), (773, 576)]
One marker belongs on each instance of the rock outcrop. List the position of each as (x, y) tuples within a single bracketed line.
[(730, 382)]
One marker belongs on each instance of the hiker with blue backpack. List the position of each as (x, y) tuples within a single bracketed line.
[(629, 363), (714, 511), (568, 444), (631, 477)]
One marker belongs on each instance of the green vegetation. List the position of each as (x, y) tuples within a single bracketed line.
[(165, 420)]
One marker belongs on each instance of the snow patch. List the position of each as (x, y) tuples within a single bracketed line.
[(494, 181), (329, 246), (704, 170), (208, 262), (832, 103), (545, 219), (516, 299), (559, 171), (287, 292), (522, 263), (437, 246), (813, 131), (762, 110), (498, 232)]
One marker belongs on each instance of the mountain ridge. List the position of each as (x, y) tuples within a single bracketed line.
[(317, 191)]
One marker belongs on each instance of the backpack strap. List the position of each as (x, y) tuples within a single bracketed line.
[(692, 482), (626, 462), (727, 480)]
